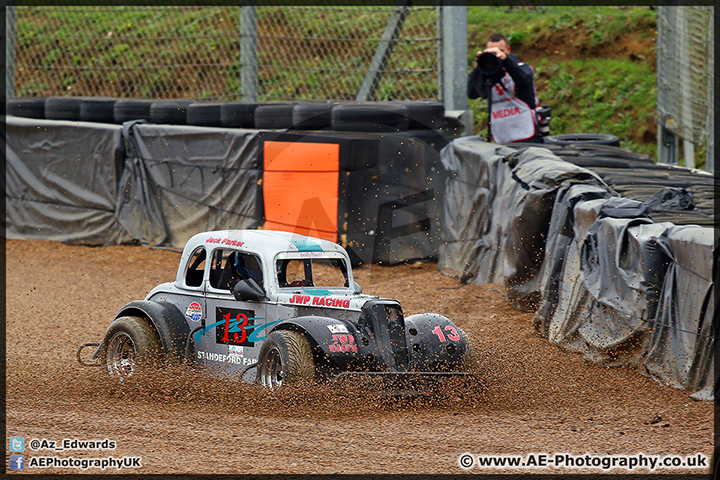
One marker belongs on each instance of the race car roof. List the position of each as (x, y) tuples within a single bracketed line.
[(265, 243)]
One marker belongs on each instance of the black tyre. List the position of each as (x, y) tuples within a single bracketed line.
[(583, 139), (28, 107), (169, 112), (469, 360), (431, 138), (130, 343), (63, 108), (370, 117), (611, 152), (425, 115), (98, 109), (274, 117), (285, 357), (594, 162), (205, 114), (132, 109), (312, 116), (715, 462), (238, 115)]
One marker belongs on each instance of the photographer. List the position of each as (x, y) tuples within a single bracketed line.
[(513, 99)]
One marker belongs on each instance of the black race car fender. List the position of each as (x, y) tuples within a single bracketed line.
[(168, 320), (434, 343), (333, 337)]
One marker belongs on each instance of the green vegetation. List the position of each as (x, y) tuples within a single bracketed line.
[(594, 66)]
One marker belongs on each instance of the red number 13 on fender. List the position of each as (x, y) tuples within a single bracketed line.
[(451, 335)]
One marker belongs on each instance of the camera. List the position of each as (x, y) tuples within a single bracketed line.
[(489, 64), (544, 117)]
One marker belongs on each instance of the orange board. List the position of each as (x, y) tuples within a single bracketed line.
[(300, 187)]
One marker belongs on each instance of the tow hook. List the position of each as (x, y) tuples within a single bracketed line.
[(94, 361)]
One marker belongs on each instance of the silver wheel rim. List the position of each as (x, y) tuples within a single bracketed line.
[(120, 357), (271, 373)]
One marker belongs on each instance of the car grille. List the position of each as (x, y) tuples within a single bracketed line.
[(387, 323)]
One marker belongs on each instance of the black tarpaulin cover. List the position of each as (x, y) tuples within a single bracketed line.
[(61, 173), (101, 184), (471, 181), (609, 282), (181, 180), (681, 350), (622, 271), (482, 179), (560, 246)]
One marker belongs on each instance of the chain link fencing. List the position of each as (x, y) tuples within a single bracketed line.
[(685, 72), (303, 53)]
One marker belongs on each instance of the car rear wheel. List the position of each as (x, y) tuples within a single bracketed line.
[(285, 357), (131, 343)]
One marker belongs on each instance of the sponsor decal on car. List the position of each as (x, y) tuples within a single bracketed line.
[(320, 301), (311, 254), (219, 357), (337, 328), (194, 312), (343, 343)]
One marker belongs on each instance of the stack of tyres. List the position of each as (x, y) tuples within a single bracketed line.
[(417, 117)]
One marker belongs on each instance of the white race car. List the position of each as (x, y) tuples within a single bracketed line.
[(275, 307)]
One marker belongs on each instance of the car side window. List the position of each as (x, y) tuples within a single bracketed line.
[(230, 266), (196, 268)]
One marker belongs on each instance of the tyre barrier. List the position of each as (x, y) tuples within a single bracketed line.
[(333, 185), (28, 107), (367, 117), (612, 164)]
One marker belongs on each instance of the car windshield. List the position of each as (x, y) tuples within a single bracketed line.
[(303, 269)]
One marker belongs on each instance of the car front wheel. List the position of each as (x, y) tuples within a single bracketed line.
[(131, 342), (285, 357)]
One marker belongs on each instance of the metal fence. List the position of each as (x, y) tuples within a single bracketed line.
[(302, 53), (685, 79)]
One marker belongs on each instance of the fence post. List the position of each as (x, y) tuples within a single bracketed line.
[(9, 52), (710, 151), (710, 125), (248, 54), (453, 62)]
